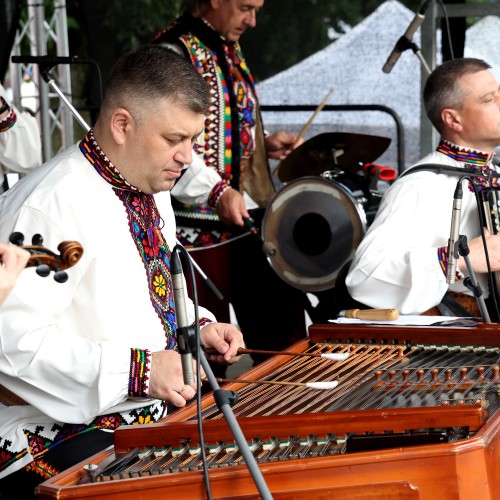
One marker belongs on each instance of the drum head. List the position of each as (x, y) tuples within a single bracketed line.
[(311, 228)]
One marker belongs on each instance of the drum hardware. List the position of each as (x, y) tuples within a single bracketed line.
[(268, 248), (332, 175), (320, 153), (313, 225)]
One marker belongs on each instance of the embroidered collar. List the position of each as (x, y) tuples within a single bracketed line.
[(145, 225), (95, 155), (472, 158)]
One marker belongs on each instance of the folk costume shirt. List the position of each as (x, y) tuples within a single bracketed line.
[(20, 143), (232, 146), (402, 260), (78, 353)]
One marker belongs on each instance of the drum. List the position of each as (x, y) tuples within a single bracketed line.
[(310, 230)]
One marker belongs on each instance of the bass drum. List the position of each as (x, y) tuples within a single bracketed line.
[(311, 229)]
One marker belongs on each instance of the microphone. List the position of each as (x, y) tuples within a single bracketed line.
[(454, 234), (182, 320), (403, 43), (48, 60)]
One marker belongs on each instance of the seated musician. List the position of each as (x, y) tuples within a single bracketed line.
[(402, 261), (13, 260), (99, 351)]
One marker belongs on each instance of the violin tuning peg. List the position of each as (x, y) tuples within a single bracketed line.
[(37, 239), (17, 238), (61, 276), (43, 270)]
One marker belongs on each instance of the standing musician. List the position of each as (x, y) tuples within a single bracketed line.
[(20, 144), (403, 259), (237, 183), (82, 358)]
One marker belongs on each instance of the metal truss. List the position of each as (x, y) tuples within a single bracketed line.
[(37, 33)]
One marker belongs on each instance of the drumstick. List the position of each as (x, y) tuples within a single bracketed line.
[(308, 124), (332, 356), (323, 386), (317, 110)]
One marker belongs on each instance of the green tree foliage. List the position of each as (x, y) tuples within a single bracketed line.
[(136, 22), (288, 31)]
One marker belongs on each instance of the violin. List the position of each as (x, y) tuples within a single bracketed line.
[(46, 260)]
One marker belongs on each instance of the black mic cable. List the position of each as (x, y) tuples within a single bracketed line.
[(176, 268)]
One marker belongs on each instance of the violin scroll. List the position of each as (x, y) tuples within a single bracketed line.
[(45, 260)]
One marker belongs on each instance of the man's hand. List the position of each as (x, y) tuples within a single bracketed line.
[(231, 207), (225, 339), (281, 144), (477, 256), (13, 261), (166, 380)]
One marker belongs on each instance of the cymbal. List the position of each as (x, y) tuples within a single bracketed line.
[(326, 151)]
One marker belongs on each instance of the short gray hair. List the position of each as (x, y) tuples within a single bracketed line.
[(443, 90), (151, 72)]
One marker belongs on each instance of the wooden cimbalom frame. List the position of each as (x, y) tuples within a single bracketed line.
[(415, 415)]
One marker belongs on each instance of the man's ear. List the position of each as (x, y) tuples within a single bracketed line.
[(451, 118), (121, 122)]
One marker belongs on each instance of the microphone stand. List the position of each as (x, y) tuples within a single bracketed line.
[(45, 72), (45, 67), (471, 282), (224, 400), (407, 44)]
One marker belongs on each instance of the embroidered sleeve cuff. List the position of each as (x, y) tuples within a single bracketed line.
[(219, 189), (205, 321), (443, 257), (140, 367), (8, 122)]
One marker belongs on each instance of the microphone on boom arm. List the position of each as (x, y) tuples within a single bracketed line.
[(405, 41), (49, 61)]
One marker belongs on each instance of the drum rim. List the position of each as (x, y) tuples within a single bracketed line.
[(356, 216)]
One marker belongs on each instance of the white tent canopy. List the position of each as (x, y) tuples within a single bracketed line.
[(352, 66)]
